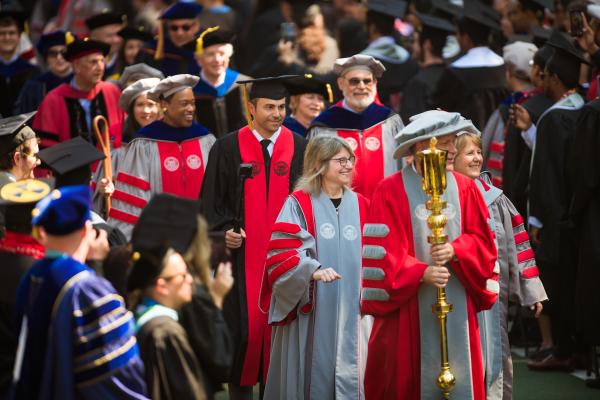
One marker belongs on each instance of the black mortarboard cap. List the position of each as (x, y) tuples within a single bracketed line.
[(218, 36), (16, 13), (182, 10), (308, 84), (268, 88), (541, 57), (71, 161), (537, 5), (166, 222), (14, 132), (430, 22), (566, 59), (81, 48), (481, 14), (105, 18), (146, 268), (445, 9), (393, 8), (540, 35), (135, 32)]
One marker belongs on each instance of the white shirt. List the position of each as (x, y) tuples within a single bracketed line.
[(479, 57), (219, 82), (273, 139)]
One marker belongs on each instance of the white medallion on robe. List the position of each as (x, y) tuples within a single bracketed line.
[(327, 230), (349, 232), (422, 213), (372, 144), (352, 143), (194, 162), (171, 164)]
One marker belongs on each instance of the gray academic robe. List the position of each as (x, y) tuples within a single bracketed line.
[(321, 353), (519, 281)]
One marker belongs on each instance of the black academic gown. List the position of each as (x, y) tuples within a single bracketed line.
[(517, 156), (12, 78), (218, 203), (585, 215), (390, 86), (474, 92), (549, 200), (34, 91), (417, 95)]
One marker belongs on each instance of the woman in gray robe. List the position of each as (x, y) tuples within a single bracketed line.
[(311, 285), (519, 277)]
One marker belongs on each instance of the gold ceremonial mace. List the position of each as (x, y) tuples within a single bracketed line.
[(433, 167)]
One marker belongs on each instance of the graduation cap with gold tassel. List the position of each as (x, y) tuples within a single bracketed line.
[(309, 84), (273, 88), (200, 41)]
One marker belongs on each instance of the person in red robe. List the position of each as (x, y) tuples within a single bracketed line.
[(401, 274), (275, 156), (368, 127), (68, 111)]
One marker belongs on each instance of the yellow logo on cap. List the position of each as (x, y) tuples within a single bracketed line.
[(26, 191)]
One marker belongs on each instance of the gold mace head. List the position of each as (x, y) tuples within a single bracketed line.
[(433, 166), (446, 382)]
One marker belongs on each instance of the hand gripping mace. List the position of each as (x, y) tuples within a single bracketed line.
[(433, 166)]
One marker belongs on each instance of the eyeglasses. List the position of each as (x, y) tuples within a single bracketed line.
[(183, 27), (343, 161), (56, 53), (357, 81)]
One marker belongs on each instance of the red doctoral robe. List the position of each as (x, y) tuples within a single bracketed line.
[(60, 117), (393, 368)]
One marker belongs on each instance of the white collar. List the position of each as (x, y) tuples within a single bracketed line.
[(219, 82), (273, 138), (479, 57), (11, 60), (347, 107)]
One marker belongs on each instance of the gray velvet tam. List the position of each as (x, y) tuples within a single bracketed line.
[(358, 61), (171, 85), (143, 86), (139, 71), (433, 123)]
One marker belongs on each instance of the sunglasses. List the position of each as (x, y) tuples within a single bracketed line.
[(184, 27), (56, 53), (357, 81)]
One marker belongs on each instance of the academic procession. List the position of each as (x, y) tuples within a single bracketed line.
[(299, 200)]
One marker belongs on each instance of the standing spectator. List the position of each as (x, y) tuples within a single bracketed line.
[(313, 272), (105, 27), (68, 111), (52, 47), (14, 71), (276, 155), (173, 53), (63, 309), (368, 127), (400, 67), (219, 97), (18, 149)]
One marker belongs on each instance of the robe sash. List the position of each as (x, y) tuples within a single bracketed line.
[(260, 214)]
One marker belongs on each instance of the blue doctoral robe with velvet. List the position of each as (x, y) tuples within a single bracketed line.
[(338, 117), (176, 60), (158, 130), (34, 91), (77, 338), (13, 76), (293, 125)]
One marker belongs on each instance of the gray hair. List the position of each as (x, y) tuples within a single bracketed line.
[(316, 161)]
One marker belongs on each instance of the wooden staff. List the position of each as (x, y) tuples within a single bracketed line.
[(103, 138)]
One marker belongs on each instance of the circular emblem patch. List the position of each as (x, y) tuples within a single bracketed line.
[(327, 230), (281, 168), (350, 232), (372, 143), (255, 168), (171, 164), (26, 191), (352, 143), (194, 162)]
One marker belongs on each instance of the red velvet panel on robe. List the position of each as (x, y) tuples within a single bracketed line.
[(259, 217), (182, 167), (393, 365), (53, 117)]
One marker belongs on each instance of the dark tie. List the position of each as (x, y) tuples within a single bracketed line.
[(267, 158)]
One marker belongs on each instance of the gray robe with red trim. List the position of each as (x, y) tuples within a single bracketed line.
[(146, 167), (319, 352)]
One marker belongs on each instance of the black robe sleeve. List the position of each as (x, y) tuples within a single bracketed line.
[(209, 338), (414, 99)]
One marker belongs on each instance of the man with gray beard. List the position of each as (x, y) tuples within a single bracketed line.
[(361, 119)]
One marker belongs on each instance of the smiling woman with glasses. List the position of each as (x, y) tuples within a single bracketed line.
[(313, 275)]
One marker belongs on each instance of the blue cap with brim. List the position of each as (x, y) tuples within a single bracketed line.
[(182, 10), (47, 40), (433, 123), (64, 210)]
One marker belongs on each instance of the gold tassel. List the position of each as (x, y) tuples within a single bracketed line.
[(69, 38), (308, 76), (246, 110), (160, 42), (329, 92), (26, 27), (200, 40)]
